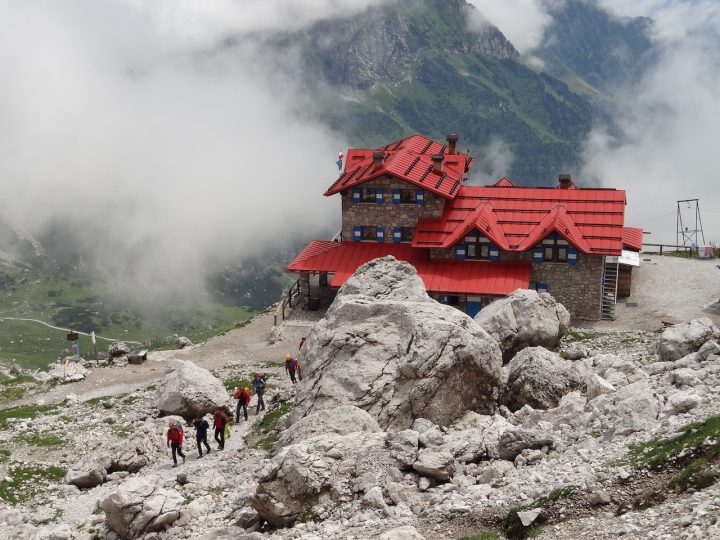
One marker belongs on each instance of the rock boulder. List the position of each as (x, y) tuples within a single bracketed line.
[(118, 348), (188, 390), (341, 420), (140, 506), (539, 378), (181, 342), (526, 318), (386, 347), (685, 338)]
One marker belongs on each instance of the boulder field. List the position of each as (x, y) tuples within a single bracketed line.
[(412, 421)]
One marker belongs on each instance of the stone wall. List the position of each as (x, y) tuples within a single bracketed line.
[(578, 287), (387, 215)]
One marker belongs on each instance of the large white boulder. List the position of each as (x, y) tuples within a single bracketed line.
[(341, 420), (681, 339), (117, 349), (140, 506), (630, 408), (386, 347), (526, 318), (539, 378), (188, 390)]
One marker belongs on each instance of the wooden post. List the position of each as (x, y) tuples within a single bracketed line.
[(661, 249)]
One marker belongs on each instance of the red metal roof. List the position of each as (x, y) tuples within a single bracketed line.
[(516, 218), (632, 238), (438, 275), (503, 182), (410, 160)]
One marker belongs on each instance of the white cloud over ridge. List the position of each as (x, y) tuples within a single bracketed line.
[(668, 124), (137, 120)]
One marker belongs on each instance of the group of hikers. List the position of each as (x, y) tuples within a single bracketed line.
[(220, 418)]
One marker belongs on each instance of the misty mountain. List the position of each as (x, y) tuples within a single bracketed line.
[(420, 66)]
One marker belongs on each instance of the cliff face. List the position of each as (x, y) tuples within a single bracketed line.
[(383, 44)]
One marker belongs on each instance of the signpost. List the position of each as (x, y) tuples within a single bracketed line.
[(75, 339), (94, 341)]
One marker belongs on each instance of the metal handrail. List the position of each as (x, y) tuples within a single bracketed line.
[(287, 301)]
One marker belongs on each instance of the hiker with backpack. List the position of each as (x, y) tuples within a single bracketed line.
[(259, 386), (175, 437), (219, 421), (243, 397), (290, 367), (201, 429)]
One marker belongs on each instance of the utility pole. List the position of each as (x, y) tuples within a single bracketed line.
[(687, 232)]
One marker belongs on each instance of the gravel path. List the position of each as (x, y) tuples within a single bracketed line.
[(668, 289)]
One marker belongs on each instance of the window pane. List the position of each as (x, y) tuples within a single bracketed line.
[(549, 241), (470, 250), (369, 233), (548, 254), (562, 242), (483, 240), (470, 239), (368, 195), (562, 254), (407, 234), (407, 196), (485, 251)]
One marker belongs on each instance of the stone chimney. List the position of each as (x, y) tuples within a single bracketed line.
[(437, 160), (564, 180), (378, 159), (452, 140)]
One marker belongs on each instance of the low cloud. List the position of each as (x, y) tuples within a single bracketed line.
[(664, 147), (493, 161), (161, 132)]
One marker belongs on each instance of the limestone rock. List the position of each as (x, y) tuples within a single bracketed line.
[(75, 371), (386, 347), (711, 347), (631, 408), (617, 371), (439, 465), (88, 476), (140, 506), (188, 390), (526, 318), (340, 420), (407, 532), (118, 348), (682, 339), (528, 517), (181, 342), (597, 386), (513, 442), (326, 469), (403, 446), (539, 378), (680, 402)]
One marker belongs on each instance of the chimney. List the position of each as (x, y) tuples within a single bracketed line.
[(564, 180), (378, 158), (437, 160), (452, 140)]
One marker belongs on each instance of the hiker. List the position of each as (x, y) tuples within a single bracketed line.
[(296, 363), (175, 441), (219, 421), (259, 386), (243, 397), (201, 429), (302, 342), (290, 367)]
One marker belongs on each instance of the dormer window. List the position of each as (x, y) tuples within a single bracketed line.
[(477, 246), (367, 195), (555, 248)]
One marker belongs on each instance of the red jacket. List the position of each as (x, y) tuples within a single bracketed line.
[(175, 435), (219, 419), (242, 394)]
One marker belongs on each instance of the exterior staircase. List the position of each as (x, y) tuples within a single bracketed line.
[(609, 290)]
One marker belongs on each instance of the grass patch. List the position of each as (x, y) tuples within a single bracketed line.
[(93, 402), (123, 432), (513, 527), (5, 455), (25, 481), (308, 515), (20, 379), (268, 443), (236, 382), (187, 500), (12, 393), (24, 412), (693, 448), (130, 400), (573, 336), (274, 364), (267, 427), (37, 439)]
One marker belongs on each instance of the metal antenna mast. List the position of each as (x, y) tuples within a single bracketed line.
[(685, 232)]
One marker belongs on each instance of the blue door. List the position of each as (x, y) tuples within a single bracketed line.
[(472, 308)]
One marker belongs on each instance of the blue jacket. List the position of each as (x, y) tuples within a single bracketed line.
[(201, 428)]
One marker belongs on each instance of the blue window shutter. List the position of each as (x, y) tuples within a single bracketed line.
[(542, 287), (538, 254), (356, 194), (572, 255), (494, 252), (397, 234), (357, 233), (380, 195), (396, 196), (380, 234), (460, 251), (420, 196)]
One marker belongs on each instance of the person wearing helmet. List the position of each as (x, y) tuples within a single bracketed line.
[(290, 367)]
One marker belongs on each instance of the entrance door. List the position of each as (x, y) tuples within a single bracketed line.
[(473, 307)]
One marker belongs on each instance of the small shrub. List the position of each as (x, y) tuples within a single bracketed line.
[(25, 481)]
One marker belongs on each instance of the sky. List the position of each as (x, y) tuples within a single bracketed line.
[(162, 146)]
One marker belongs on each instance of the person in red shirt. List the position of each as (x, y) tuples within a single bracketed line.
[(175, 436), (243, 397), (219, 421)]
